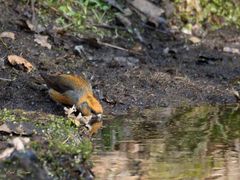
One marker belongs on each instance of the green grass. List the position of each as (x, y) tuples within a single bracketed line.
[(76, 15), (216, 13)]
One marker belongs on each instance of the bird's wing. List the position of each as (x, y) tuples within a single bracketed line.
[(66, 82), (83, 80)]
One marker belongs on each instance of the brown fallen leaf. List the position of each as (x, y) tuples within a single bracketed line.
[(152, 11), (23, 63), (70, 114), (6, 153), (42, 40), (30, 25), (195, 39), (6, 34), (137, 47), (18, 144), (235, 93), (33, 26), (147, 8), (5, 128), (231, 50)]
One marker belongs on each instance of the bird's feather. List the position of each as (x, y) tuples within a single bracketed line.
[(64, 82)]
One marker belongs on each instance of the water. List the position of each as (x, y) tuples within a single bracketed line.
[(164, 143)]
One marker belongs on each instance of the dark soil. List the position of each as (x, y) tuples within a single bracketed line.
[(187, 74)]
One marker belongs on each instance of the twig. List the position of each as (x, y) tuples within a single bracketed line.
[(5, 79), (104, 26), (66, 140), (118, 47), (5, 45), (33, 14)]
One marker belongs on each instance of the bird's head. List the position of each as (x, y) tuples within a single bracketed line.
[(91, 106)]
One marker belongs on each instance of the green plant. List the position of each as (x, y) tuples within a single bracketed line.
[(217, 13), (78, 14)]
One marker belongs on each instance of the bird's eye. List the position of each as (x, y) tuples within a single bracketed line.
[(92, 111)]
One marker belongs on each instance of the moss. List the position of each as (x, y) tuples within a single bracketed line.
[(57, 143), (6, 114)]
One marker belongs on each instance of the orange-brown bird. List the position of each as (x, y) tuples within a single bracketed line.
[(74, 90)]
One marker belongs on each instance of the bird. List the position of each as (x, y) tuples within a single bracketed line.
[(73, 90)]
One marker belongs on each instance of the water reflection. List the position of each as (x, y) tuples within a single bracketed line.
[(185, 143)]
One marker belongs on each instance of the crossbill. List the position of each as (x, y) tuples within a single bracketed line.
[(71, 89)]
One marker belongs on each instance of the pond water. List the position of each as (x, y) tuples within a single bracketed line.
[(170, 143)]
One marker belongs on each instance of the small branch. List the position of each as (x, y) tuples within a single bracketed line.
[(5, 79), (104, 26), (118, 47), (5, 45), (33, 13)]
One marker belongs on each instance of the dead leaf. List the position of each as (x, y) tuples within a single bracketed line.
[(42, 40), (149, 9), (235, 93), (6, 34), (137, 47), (71, 116), (187, 30), (231, 50), (17, 60), (6, 153), (18, 144), (194, 39), (70, 111), (30, 25), (34, 27), (79, 119), (75, 121), (5, 128)]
